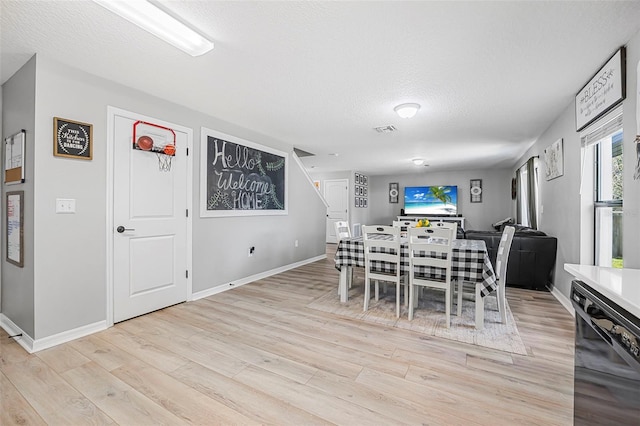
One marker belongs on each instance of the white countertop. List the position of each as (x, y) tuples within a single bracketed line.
[(622, 286)]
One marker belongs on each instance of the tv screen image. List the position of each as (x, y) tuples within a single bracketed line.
[(431, 200)]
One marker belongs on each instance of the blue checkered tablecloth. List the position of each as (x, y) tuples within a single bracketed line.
[(470, 261)]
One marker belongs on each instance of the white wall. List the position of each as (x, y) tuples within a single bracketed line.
[(560, 197), (68, 287)]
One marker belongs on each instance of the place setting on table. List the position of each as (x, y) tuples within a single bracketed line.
[(470, 263)]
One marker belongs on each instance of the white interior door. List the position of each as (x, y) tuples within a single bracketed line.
[(336, 194), (150, 254)]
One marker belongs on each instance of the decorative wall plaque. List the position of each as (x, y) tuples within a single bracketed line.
[(72, 139)]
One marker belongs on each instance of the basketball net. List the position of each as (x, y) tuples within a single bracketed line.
[(164, 161)]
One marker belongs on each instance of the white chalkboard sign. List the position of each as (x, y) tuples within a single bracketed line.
[(241, 178)]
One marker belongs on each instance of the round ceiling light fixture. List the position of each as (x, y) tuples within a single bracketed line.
[(407, 110), (418, 161)]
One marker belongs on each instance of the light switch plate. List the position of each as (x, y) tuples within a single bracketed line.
[(65, 205)]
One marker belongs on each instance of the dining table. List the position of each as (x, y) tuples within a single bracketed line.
[(470, 263)]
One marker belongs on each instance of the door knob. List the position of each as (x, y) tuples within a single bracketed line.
[(121, 229)]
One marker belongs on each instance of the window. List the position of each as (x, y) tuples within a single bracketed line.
[(602, 193), (608, 201)]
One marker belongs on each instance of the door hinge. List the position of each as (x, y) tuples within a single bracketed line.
[(186, 273), (187, 212)]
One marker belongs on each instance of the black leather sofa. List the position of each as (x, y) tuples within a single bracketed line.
[(531, 258)]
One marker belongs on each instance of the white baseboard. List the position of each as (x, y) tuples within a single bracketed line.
[(252, 278), (32, 346), (564, 301), (25, 340)]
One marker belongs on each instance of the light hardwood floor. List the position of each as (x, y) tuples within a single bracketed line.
[(257, 355)]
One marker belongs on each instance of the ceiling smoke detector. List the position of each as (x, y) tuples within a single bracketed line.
[(385, 129)]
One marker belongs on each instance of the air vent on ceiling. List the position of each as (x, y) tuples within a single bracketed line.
[(300, 153), (385, 129)]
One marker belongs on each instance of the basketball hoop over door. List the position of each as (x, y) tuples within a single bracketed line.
[(155, 138)]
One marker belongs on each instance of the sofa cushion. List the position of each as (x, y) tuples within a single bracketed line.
[(525, 230)]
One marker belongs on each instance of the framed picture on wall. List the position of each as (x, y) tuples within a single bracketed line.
[(554, 160), (14, 158), (15, 227), (393, 192), (476, 190), (72, 139)]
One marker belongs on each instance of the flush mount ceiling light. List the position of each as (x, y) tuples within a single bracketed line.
[(418, 161), (159, 23), (407, 110)]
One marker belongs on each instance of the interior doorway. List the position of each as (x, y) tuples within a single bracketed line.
[(336, 194)]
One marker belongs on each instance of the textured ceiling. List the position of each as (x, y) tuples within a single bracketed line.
[(490, 76)]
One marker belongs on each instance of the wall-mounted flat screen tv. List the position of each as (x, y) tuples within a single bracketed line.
[(431, 200)]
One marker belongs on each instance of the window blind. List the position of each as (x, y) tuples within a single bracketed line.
[(612, 126)]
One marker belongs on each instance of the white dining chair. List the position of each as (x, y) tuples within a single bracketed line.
[(404, 225), (502, 258), (342, 229), (430, 247), (500, 270), (382, 261), (448, 225)]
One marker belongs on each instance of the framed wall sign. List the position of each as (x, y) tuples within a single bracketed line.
[(393, 192), (241, 178), (14, 158), (15, 227), (72, 139), (475, 190), (606, 89)]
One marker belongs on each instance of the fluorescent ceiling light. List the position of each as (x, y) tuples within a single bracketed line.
[(159, 23), (407, 110)]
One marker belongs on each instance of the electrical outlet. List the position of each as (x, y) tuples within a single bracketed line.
[(65, 205), (295, 244)]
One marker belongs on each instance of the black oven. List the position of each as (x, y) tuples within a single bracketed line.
[(607, 360)]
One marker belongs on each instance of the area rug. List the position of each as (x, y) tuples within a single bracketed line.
[(429, 317)]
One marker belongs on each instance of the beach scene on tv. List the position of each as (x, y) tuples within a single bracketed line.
[(431, 200)]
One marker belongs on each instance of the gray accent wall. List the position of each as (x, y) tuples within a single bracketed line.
[(560, 197), (496, 195), (18, 112), (63, 284)]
